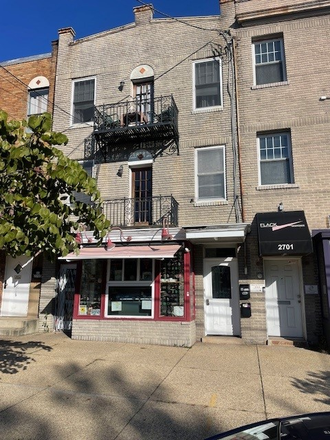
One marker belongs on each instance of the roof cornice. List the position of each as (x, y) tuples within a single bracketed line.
[(315, 7)]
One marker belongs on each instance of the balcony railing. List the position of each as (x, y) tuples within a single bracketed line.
[(126, 126), (150, 211)]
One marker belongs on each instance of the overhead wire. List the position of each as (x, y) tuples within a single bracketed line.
[(178, 19), (219, 32)]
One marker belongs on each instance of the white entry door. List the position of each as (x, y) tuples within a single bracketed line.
[(283, 298), (221, 300), (16, 291)]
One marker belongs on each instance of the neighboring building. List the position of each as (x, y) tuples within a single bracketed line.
[(26, 88), (283, 83), (162, 147)]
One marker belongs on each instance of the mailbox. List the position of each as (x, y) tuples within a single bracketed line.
[(246, 310), (244, 291)]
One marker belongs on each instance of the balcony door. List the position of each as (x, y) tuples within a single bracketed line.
[(143, 94), (142, 195)]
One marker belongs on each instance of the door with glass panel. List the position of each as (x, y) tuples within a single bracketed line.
[(142, 195), (143, 94), (221, 297)]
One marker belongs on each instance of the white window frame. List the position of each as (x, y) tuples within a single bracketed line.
[(42, 100), (214, 107), (289, 158), (202, 200), (89, 78), (135, 283), (266, 41)]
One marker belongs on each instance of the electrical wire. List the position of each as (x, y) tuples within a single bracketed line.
[(177, 19)]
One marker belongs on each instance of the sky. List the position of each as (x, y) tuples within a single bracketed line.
[(30, 27)]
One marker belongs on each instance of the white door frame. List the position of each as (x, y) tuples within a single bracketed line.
[(301, 288), (234, 301), (16, 287)]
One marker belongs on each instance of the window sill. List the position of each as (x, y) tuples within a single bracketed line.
[(280, 186), (211, 203), (81, 125), (207, 110), (266, 86)]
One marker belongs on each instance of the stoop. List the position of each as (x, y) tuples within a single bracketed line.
[(287, 342), (223, 340), (15, 326)]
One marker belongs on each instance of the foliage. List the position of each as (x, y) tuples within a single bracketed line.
[(35, 176)]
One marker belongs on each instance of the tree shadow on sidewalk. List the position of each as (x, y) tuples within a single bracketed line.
[(16, 355), (316, 383)]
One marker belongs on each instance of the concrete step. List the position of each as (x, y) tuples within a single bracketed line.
[(287, 342), (16, 326), (223, 340)]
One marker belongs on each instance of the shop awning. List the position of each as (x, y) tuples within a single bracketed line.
[(283, 233), (152, 251)]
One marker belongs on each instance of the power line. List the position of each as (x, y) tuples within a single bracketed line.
[(177, 19)]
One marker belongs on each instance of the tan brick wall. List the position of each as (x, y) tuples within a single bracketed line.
[(181, 334), (295, 106), (170, 55)]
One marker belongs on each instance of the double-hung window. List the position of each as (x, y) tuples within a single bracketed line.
[(275, 159), (207, 84), (83, 100), (269, 61), (38, 101), (210, 178)]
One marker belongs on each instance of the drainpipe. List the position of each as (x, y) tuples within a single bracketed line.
[(238, 127)]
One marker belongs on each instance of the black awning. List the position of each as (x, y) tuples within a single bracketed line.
[(283, 233)]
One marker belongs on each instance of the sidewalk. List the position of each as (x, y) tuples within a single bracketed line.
[(52, 387)]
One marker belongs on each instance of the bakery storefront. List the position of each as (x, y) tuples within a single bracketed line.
[(131, 292)]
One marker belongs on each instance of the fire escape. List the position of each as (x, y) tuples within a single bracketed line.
[(125, 127), (123, 131)]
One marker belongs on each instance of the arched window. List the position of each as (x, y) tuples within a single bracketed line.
[(38, 96), (142, 79)]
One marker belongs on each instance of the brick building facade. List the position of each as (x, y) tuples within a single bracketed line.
[(27, 87), (209, 146), (282, 85), (163, 150)]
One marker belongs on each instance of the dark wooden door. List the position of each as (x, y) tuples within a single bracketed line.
[(142, 194)]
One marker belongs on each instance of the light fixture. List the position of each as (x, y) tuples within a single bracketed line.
[(110, 244), (79, 239), (121, 86), (165, 230), (280, 207), (120, 171)]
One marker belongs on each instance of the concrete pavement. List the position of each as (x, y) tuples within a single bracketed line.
[(52, 387)]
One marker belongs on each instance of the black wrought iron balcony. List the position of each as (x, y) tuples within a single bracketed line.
[(150, 211), (121, 128)]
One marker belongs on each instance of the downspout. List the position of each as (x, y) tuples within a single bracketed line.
[(238, 128)]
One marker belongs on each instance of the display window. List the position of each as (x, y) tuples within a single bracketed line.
[(160, 289), (172, 287), (130, 288), (91, 288)]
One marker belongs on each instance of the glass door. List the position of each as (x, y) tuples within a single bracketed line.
[(142, 194)]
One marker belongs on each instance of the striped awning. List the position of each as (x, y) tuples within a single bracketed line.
[(149, 251)]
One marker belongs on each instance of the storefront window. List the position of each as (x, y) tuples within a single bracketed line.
[(172, 287), (91, 284), (130, 288), (130, 301)]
